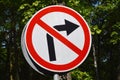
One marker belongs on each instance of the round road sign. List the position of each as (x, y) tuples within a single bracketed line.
[(56, 38)]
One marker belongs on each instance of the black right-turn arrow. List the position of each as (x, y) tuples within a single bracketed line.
[(69, 27)]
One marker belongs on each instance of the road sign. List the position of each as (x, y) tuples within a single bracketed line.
[(57, 39)]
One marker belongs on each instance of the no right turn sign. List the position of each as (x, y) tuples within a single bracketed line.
[(57, 39)]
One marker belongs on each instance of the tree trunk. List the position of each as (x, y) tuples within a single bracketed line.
[(69, 76), (8, 63), (16, 52), (95, 62), (66, 76)]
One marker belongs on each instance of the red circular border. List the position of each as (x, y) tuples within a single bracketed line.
[(45, 64)]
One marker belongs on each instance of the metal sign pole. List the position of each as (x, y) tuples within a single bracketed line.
[(56, 77)]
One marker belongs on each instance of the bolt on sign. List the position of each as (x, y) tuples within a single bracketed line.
[(56, 39)]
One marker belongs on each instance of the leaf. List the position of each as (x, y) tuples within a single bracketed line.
[(113, 33), (98, 31)]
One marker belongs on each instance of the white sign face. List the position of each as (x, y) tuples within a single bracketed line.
[(57, 39), (63, 54)]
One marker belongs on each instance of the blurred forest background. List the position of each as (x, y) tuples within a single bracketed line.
[(103, 17)]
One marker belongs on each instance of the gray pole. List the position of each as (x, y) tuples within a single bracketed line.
[(56, 77)]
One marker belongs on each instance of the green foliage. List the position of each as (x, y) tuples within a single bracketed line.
[(102, 17), (115, 34), (95, 30), (79, 75), (81, 6), (28, 9)]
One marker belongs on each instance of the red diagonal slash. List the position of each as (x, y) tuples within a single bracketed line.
[(59, 36)]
